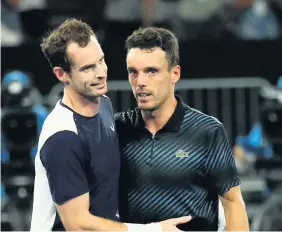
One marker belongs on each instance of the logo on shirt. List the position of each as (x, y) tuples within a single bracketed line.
[(112, 127), (181, 153)]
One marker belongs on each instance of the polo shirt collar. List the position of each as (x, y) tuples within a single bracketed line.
[(173, 123)]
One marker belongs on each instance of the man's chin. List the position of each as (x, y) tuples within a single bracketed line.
[(145, 107), (93, 96), (99, 93), (102, 92)]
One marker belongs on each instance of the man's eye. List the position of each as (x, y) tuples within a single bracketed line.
[(132, 71), (153, 71), (89, 68)]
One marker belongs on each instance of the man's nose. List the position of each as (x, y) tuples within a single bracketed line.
[(142, 80), (101, 72)]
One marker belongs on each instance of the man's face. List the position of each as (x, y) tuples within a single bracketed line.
[(88, 75), (151, 79)]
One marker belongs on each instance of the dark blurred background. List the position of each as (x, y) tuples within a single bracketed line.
[(230, 55)]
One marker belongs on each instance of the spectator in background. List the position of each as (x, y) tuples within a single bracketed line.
[(252, 19), (11, 27), (124, 16), (246, 19), (90, 11), (258, 22), (197, 17), (32, 4), (249, 148)]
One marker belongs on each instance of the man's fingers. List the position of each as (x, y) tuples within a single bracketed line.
[(181, 220)]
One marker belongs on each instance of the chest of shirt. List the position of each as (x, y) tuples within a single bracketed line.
[(101, 147), (169, 159)]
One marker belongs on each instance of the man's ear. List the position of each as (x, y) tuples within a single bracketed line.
[(61, 75), (176, 71)]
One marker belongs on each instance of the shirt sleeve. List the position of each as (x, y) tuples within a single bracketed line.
[(220, 163), (64, 159)]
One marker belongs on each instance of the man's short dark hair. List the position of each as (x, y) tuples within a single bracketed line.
[(153, 37), (54, 45)]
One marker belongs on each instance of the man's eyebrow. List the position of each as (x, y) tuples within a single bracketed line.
[(130, 69), (102, 57), (84, 67), (150, 68), (146, 69)]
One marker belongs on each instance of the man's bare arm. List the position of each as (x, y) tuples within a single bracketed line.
[(75, 215), (235, 210)]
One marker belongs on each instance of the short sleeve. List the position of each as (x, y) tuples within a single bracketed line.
[(63, 157), (220, 163)]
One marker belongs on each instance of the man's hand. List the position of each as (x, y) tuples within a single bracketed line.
[(170, 224)]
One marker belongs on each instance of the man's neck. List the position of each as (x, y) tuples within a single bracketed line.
[(155, 120), (80, 104)]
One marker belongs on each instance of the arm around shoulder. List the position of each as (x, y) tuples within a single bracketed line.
[(75, 215), (64, 159)]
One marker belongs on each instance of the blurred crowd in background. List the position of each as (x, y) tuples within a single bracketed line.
[(255, 132), (23, 21)]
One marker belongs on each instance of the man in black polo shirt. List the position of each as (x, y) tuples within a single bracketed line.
[(175, 160)]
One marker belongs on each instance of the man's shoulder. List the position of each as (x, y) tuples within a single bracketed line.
[(59, 120), (106, 99), (204, 122)]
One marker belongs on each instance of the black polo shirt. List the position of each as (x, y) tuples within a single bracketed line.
[(179, 171)]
